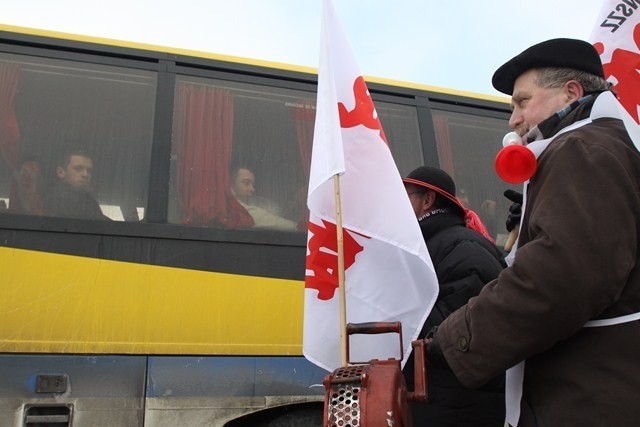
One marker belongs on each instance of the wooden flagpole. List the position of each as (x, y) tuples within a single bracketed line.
[(341, 285)]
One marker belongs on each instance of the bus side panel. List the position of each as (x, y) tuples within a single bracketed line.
[(69, 304), (215, 390), (91, 390)]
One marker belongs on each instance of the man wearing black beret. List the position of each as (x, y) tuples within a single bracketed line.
[(564, 317)]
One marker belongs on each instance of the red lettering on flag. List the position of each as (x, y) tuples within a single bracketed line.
[(325, 264), (364, 112), (624, 68)]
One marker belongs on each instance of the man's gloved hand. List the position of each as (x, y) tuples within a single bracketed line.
[(435, 357), (515, 210)]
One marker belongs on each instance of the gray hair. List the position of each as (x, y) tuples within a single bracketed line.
[(551, 77)]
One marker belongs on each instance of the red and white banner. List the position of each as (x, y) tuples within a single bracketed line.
[(616, 36), (388, 271)]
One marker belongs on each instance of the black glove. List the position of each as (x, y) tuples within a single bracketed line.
[(435, 357), (515, 210)]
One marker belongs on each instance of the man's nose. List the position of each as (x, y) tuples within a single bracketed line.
[(515, 120)]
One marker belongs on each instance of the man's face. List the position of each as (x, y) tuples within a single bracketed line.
[(243, 185), (78, 172), (417, 199), (533, 104)]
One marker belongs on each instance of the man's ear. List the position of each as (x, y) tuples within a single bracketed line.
[(429, 199), (60, 172), (573, 90)]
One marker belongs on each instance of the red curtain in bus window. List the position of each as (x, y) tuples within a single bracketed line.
[(303, 115), (204, 133), (24, 195), (9, 130), (443, 140)]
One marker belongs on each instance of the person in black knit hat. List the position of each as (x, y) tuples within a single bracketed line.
[(464, 260)]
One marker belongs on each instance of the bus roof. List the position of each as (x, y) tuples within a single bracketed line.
[(235, 59)]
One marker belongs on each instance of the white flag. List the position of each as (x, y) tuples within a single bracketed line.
[(388, 272), (616, 36)]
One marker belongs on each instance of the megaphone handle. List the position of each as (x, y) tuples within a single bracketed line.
[(419, 392), (513, 236)]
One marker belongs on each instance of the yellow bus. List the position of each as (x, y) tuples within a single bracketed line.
[(177, 304)]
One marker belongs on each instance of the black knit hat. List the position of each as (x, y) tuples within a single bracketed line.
[(434, 179), (558, 53)]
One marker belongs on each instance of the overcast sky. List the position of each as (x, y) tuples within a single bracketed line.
[(451, 44)]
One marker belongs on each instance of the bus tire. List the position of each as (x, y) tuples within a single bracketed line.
[(306, 417)]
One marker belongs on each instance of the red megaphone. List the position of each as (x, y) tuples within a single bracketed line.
[(515, 163)]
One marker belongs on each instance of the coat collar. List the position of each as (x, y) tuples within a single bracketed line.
[(579, 110), (435, 221)]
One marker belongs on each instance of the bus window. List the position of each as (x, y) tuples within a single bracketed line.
[(400, 124), (99, 116), (467, 146), (240, 155)]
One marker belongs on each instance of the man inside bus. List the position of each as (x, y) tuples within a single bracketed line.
[(71, 195), (260, 209), (564, 318)]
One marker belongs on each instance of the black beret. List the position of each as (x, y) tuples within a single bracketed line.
[(434, 179), (557, 53)]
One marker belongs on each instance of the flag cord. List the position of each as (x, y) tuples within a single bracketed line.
[(341, 285)]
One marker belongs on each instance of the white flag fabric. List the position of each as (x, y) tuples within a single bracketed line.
[(616, 36), (388, 272)]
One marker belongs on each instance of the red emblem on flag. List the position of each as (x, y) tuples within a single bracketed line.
[(364, 112), (323, 258), (624, 68)]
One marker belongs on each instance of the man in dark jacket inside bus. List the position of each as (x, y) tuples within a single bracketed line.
[(464, 260), (71, 196)]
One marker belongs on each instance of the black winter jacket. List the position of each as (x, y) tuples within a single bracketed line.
[(69, 202), (464, 262)]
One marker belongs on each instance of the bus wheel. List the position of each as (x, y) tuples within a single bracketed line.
[(306, 417)]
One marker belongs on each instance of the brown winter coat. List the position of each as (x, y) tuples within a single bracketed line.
[(577, 261)]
